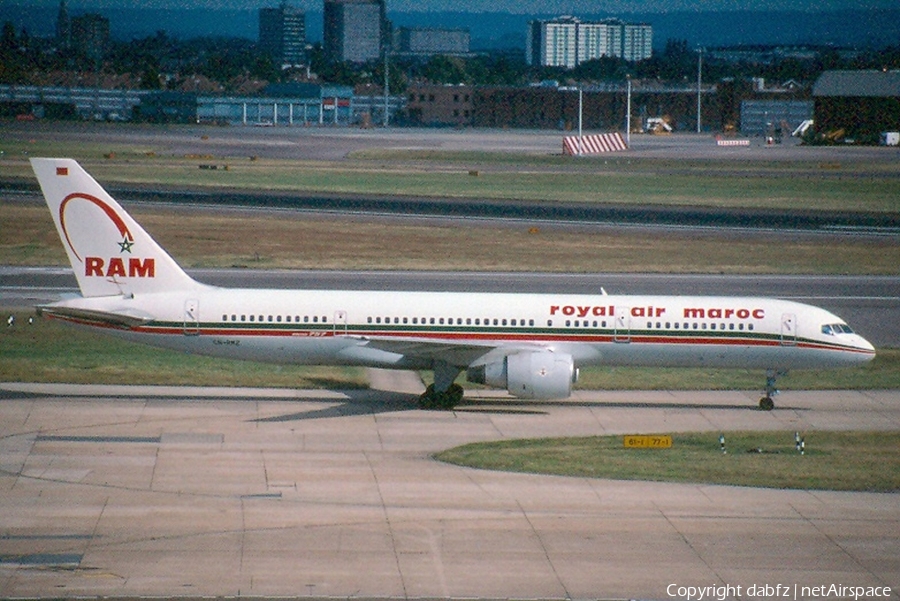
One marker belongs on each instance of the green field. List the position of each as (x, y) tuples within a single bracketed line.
[(852, 461), (209, 238), (293, 241), (857, 187)]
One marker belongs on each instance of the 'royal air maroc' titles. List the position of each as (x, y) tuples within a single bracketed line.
[(651, 311), (117, 267)]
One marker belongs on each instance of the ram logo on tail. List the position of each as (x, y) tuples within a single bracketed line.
[(110, 253)]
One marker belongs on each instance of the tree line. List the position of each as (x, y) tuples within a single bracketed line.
[(160, 61)]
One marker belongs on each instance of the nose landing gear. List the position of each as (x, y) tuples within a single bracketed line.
[(766, 403)]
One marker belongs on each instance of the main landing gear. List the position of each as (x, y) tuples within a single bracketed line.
[(766, 403), (444, 394)]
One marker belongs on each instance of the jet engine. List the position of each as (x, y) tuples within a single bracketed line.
[(529, 375)]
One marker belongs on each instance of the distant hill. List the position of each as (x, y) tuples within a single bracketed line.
[(860, 28)]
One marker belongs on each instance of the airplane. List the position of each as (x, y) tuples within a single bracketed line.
[(530, 344)]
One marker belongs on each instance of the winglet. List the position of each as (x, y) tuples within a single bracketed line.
[(111, 254)]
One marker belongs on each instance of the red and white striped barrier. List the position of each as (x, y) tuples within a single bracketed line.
[(593, 144), (720, 142)]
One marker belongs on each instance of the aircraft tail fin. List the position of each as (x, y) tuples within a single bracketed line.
[(111, 254)]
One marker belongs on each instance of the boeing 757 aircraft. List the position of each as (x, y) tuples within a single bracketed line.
[(530, 344)]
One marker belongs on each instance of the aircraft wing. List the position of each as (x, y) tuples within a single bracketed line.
[(460, 354), (121, 320)]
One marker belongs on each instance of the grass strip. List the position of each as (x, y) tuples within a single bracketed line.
[(846, 461), (210, 238), (664, 182)]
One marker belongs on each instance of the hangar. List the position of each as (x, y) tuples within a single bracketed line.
[(861, 103)]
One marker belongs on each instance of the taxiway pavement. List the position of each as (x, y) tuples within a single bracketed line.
[(186, 492)]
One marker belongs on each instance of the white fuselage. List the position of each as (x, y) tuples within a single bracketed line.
[(383, 329)]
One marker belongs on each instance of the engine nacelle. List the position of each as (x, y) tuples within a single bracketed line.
[(529, 375)]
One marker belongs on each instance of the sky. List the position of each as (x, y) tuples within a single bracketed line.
[(574, 7)]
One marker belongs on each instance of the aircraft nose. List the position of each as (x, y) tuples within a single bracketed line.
[(865, 346)]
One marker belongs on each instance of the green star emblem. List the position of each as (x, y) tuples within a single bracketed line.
[(125, 245)]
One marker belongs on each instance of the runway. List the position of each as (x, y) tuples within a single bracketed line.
[(125, 492)]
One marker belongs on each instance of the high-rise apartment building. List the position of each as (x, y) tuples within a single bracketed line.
[(355, 31), (282, 34), (568, 42), (90, 37), (637, 41), (552, 43)]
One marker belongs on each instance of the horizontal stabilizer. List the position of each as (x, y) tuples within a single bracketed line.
[(122, 320)]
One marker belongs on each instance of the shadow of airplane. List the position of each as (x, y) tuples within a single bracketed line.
[(359, 402), (374, 402)]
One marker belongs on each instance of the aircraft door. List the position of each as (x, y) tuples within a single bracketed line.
[(622, 325), (340, 323), (788, 329), (192, 317)]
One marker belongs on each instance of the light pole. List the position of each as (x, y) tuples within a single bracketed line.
[(580, 115), (699, 83), (387, 91), (628, 114)]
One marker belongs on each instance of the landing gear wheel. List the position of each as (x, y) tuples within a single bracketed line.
[(766, 403), (441, 401)]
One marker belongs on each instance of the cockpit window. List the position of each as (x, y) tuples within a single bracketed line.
[(836, 328)]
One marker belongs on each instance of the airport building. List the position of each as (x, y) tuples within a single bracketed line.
[(857, 104), (355, 31), (282, 34), (426, 42), (439, 105), (568, 41), (57, 102)]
